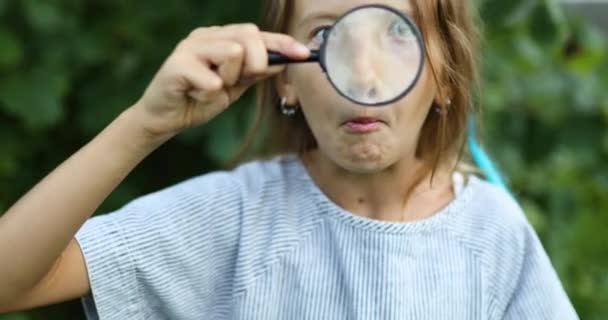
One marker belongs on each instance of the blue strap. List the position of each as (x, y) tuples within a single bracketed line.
[(480, 157)]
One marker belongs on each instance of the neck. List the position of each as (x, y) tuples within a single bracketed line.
[(383, 195)]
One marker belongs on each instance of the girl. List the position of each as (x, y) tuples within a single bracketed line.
[(345, 221)]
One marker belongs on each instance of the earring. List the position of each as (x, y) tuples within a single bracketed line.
[(442, 110), (289, 111)]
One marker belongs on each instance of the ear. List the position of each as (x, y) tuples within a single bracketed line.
[(444, 94), (285, 88)]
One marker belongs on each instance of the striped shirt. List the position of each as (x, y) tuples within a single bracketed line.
[(263, 242)]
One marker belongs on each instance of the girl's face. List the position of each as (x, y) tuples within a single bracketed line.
[(357, 138)]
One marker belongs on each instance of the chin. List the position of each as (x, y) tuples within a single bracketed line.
[(365, 158)]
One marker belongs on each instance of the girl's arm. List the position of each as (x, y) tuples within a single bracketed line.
[(66, 280), (200, 79), (37, 229)]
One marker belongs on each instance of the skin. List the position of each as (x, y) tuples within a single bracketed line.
[(365, 173), (205, 74)]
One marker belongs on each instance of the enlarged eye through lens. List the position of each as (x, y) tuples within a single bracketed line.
[(400, 29)]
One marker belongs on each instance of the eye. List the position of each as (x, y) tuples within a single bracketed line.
[(319, 35), (400, 29)]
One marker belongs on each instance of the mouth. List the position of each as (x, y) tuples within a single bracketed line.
[(363, 124)]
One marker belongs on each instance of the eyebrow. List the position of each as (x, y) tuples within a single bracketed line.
[(317, 15)]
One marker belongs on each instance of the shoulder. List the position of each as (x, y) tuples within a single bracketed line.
[(211, 202), (520, 278), (495, 229), (216, 209), (247, 198), (245, 180), (491, 214)]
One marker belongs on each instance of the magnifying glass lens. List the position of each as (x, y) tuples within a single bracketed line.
[(373, 55)]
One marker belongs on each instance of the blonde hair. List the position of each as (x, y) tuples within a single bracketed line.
[(450, 36)]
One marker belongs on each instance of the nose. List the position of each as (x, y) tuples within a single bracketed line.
[(364, 80)]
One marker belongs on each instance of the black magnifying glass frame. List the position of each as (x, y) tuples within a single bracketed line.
[(320, 55)]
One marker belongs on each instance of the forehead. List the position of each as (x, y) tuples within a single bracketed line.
[(306, 11)]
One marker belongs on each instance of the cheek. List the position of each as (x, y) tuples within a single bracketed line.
[(314, 92), (309, 80)]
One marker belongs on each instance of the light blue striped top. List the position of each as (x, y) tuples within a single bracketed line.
[(263, 242)]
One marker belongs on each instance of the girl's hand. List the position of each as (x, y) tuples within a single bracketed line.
[(206, 73)]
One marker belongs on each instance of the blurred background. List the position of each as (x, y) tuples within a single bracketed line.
[(68, 67)]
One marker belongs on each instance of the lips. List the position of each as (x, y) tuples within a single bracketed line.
[(363, 120), (362, 124)]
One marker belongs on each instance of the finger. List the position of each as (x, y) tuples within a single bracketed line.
[(279, 42), (286, 45), (223, 56), (224, 97), (226, 58), (230, 72), (219, 97), (246, 82), (256, 44), (197, 76), (256, 55), (231, 63), (271, 71)]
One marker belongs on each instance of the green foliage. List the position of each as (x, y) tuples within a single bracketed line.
[(545, 100), (68, 67)]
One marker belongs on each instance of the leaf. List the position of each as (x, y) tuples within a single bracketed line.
[(9, 143), (43, 16), (504, 13), (3, 5), (11, 50), (34, 97), (548, 26), (535, 215)]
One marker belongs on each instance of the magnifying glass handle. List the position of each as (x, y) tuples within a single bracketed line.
[(275, 58)]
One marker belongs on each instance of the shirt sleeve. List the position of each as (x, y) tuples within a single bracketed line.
[(538, 293), (166, 255)]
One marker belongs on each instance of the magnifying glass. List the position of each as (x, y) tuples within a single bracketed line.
[(373, 55)]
